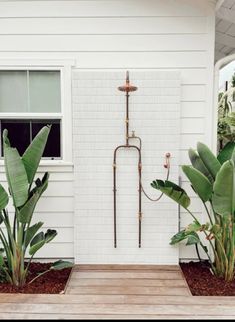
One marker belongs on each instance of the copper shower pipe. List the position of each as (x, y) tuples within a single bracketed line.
[(127, 88)]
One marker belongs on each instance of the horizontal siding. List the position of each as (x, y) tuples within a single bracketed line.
[(115, 35), (103, 26), (104, 43), (113, 8)]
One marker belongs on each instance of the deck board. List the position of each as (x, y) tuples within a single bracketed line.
[(119, 292)]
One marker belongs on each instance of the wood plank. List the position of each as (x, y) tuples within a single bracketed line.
[(101, 43), (127, 309), (117, 299), (75, 282), (56, 316), (120, 25), (132, 8), (120, 275), (130, 290), (115, 267)]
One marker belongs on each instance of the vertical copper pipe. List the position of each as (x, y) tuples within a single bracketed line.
[(114, 200), (127, 118), (140, 197), (115, 191)]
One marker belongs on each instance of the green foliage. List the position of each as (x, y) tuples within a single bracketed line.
[(226, 116), (213, 180), (20, 238), (173, 191)]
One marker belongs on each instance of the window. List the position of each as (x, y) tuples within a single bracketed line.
[(30, 99)]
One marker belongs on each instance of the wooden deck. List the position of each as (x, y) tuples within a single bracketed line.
[(119, 292)]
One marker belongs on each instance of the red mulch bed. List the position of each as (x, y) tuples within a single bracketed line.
[(53, 282), (202, 282)]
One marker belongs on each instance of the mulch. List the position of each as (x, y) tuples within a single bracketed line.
[(53, 282), (202, 282)]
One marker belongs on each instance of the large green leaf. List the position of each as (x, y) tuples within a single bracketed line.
[(223, 198), (4, 199), (34, 152), (173, 191), (61, 265), (50, 235), (226, 153), (31, 232), (198, 164), (201, 185), (26, 212), (15, 172), (208, 158), (190, 236), (37, 243)]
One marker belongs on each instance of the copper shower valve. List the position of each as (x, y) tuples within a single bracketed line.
[(167, 164)]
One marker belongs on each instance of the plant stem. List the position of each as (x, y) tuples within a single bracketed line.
[(208, 213), (39, 275)]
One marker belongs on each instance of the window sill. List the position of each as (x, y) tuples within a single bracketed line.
[(49, 163)]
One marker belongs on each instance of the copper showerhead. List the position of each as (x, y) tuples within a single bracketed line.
[(127, 87)]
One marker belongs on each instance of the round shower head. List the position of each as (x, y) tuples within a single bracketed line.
[(127, 87)]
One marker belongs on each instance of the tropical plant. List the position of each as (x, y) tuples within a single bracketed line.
[(20, 237), (226, 115), (213, 180)]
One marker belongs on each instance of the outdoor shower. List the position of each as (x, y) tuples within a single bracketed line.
[(128, 88)]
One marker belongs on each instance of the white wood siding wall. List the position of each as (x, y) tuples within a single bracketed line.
[(118, 34)]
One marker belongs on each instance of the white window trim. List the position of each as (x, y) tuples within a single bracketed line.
[(65, 67)]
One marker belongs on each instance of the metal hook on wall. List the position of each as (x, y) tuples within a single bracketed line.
[(127, 88)]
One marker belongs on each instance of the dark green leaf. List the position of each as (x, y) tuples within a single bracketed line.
[(173, 191), (226, 153), (50, 235)]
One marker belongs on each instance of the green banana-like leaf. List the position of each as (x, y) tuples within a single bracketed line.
[(191, 237), (31, 232), (58, 265), (15, 172), (201, 185), (37, 243), (208, 158), (226, 153), (26, 212), (50, 235), (33, 249), (223, 199), (4, 199), (173, 191), (198, 164), (34, 152)]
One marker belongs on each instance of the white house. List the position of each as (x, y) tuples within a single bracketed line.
[(61, 62)]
